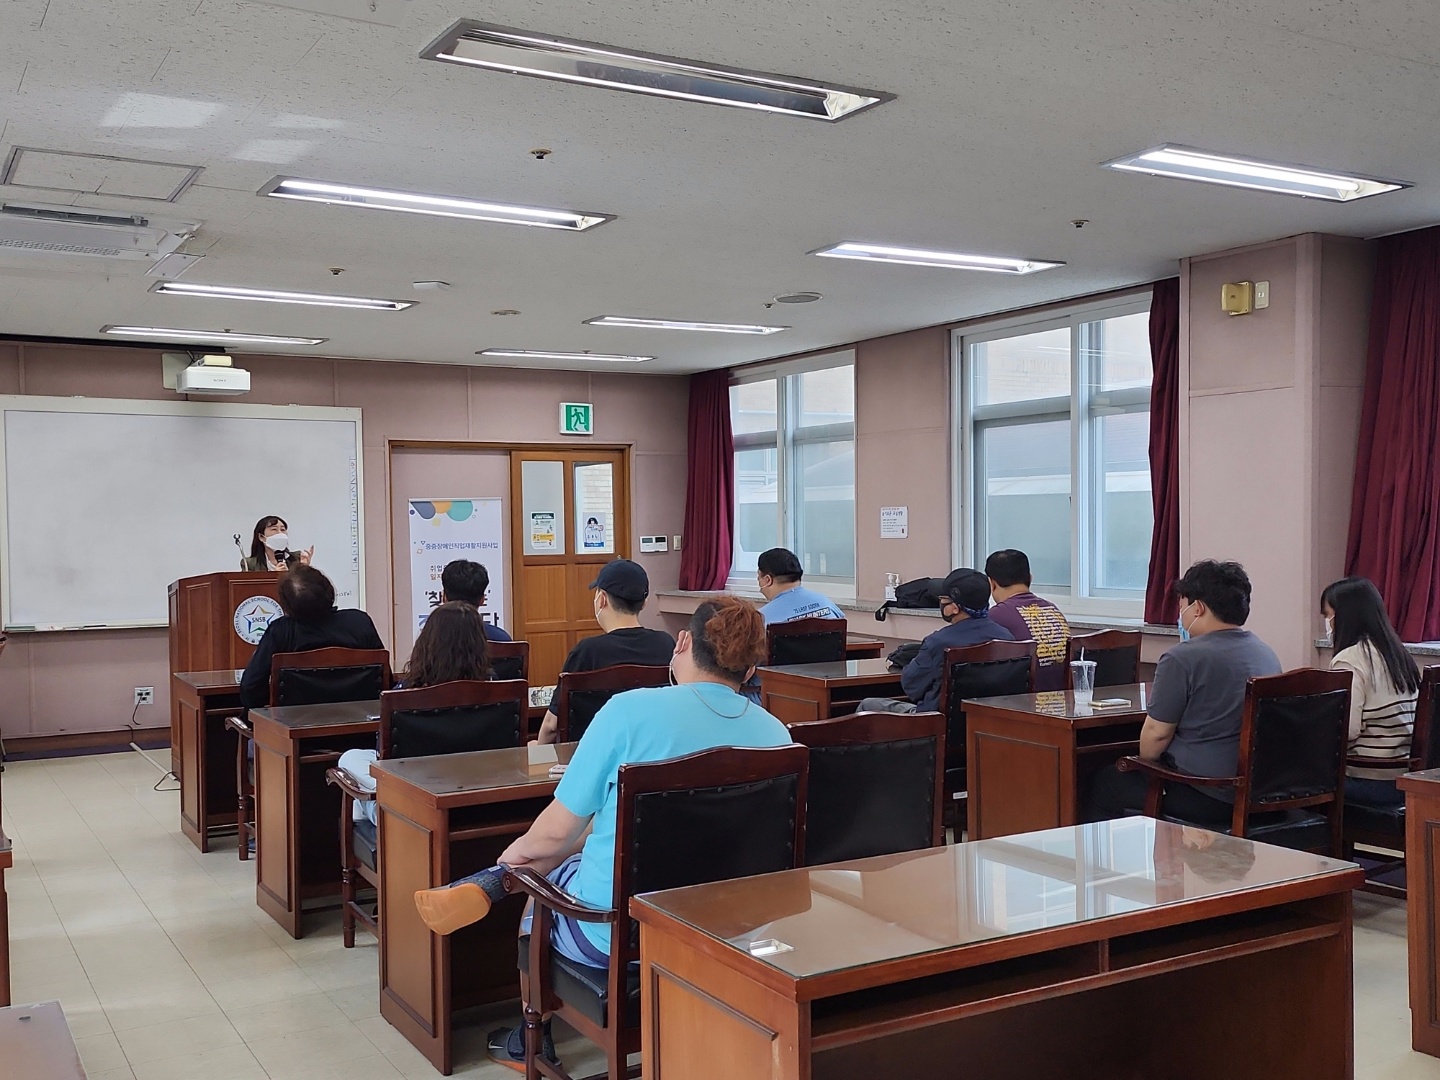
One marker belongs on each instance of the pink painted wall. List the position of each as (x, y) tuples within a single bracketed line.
[(902, 457), (82, 681), (1269, 417)]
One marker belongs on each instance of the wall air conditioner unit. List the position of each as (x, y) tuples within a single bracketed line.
[(28, 228)]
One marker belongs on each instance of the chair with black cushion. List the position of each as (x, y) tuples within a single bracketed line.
[(509, 659), (1290, 777), (711, 816), (451, 718), (579, 695), (876, 784), (1380, 828), (315, 677), (806, 641), (1116, 654), (990, 669)]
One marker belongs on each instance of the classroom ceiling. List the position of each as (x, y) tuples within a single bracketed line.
[(1003, 111)]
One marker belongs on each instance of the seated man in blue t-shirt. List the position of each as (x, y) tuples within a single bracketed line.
[(573, 840), (778, 573), (965, 606), (469, 582)]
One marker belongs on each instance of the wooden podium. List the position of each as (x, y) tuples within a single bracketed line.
[(205, 651)]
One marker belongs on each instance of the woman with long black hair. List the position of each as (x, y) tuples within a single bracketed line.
[(1385, 684)]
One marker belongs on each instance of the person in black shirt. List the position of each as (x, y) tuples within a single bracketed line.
[(621, 589), (310, 621)]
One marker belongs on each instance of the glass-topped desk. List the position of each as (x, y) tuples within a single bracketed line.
[(1127, 948), (799, 692)]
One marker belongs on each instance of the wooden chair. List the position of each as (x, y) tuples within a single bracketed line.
[(1290, 782), (1116, 654), (451, 718), (579, 695), (990, 669), (806, 641), (509, 660), (876, 784), (1384, 829), (711, 816), (304, 678)]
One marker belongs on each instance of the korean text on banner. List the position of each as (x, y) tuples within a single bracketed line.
[(443, 530)]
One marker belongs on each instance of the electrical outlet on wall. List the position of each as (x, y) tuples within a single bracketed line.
[(144, 695)]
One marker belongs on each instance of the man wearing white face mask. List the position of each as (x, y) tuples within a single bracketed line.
[(1193, 720), (621, 589)]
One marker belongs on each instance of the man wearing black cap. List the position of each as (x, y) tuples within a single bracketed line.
[(964, 604), (621, 589)]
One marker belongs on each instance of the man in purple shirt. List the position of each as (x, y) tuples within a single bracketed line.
[(1028, 617)]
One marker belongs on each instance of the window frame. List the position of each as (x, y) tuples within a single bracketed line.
[(789, 438), (1082, 407)]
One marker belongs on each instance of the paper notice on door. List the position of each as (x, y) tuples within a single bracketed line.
[(542, 531), (592, 533)]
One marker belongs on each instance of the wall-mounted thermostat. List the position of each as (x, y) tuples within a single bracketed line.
[(651, 544)]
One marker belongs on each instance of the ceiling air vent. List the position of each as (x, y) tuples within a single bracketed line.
[(58, 230)]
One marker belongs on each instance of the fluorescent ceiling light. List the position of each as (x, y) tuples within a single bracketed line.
[(275, 296), (1187, 163), (677, 324), (410, 202), (541, 354), (954, 260), (520, 52), (172, 334)]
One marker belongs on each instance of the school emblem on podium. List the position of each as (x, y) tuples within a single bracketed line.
[(252, 616)]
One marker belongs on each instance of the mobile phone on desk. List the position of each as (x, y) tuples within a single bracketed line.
[(557, 770)]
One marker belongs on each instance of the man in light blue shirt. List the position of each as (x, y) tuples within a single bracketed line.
[(778, 573)]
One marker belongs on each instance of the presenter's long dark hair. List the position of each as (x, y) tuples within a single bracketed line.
[(451, 646), (257, 538), (1360, 616)]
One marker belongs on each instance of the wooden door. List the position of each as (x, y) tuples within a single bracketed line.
[(570, 515)]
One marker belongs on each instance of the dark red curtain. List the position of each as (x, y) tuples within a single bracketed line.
[(710, 485), (1160, 603), (1395, 508)]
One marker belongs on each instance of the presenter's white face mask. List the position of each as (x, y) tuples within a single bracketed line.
[(277, 542)]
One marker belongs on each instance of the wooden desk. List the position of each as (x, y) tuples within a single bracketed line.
[(796, 692), (35, 1044), (203, 755), (860, 647), (297, 815), (442, 818), (1030, 756), (1422, 828), (1109, 950)]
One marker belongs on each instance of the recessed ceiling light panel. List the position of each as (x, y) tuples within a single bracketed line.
[(1187, 163), (545, 56), (276, 296), (951, 260), (541, 354), (679, 324), (412, 202), (168, 333)]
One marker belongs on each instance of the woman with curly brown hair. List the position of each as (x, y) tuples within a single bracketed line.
[(573, 840), (451, 646)]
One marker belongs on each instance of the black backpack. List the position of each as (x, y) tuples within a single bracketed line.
[(921, 593)]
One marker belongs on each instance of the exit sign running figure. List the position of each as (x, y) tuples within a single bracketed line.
[(577, 418)]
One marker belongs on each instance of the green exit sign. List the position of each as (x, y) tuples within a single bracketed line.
[(577, 418)]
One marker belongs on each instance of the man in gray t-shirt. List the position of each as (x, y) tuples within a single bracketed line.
[(1193, 721)]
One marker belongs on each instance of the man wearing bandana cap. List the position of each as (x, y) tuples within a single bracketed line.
[(965, 606)]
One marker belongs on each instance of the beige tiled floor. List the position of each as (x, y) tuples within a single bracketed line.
[(168, 971)]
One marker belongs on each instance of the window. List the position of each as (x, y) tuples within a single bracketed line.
[(1054, 452), (794, 429)]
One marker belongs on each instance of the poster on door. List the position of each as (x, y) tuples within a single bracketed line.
[(592, 532), (542, 531), (443, 530)]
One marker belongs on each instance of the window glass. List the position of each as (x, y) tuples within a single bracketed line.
[(1023, 482), (1119, 351), (1022, 368), (1123, 508), (757, 506), (825, 525), (753, 407)]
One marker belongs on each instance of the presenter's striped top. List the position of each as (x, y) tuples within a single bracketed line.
[(1382, 716)]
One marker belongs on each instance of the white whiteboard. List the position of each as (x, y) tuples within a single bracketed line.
[(107, 502)]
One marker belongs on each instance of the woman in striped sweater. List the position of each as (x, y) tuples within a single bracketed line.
[(1386, 682)]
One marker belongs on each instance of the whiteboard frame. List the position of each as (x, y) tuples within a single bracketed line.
[(145, 407)]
